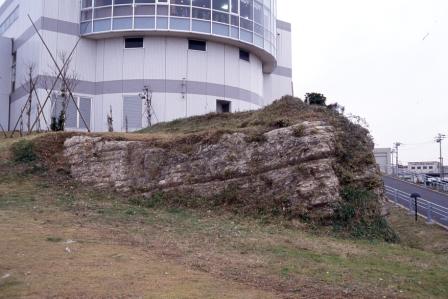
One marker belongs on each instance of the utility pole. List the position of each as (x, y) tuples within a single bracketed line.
[(439, 138), (396, 146), (392, 153)]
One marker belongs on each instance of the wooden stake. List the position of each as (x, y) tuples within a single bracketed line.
[(62, 77)]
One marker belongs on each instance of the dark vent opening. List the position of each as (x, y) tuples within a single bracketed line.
[(197, 45), (223, 106), (244, 55), (133, 42)]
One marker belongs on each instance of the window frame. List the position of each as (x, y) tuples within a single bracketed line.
[(223, 102), (243, 57), (134, 37), (190, 41), (79, 122)]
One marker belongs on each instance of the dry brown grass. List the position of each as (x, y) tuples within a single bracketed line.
[(418, 235), (38, 254), (125, 250)]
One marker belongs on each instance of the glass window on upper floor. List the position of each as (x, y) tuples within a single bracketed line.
[(221, 17), (86, 3), (222, 5), (104, 12), (181, 2), (246, 9), (199, 13), (180, 11), (123, 2), (234, 7), (99, 3), (258, 12), (201, 3), (125, 10), (145, 10), (86, 15)]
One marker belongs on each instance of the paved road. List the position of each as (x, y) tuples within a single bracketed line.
[(428, 194)]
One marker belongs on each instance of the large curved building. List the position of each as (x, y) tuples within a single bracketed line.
[(192, 56)]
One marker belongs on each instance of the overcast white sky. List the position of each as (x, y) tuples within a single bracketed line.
[(370, 56), (385, 60)]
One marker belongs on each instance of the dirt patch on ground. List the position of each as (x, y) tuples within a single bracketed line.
[(63, 258)]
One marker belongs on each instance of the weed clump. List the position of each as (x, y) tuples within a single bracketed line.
[(298, 131), (359, 214), (23, 152)]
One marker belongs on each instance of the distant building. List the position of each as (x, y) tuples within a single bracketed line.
[(383, 159), (431, 167)]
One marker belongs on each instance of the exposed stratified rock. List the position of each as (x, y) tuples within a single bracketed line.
[(291, 166)]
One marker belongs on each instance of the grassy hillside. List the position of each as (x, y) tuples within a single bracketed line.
[(354, 144), (62, 239), (361, 186), (358, 215)]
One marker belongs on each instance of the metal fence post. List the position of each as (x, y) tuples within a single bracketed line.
[(429, 213), (411, 208)]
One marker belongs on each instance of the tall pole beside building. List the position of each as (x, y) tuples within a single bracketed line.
[(392, 158), (439, 138), (396, 146)]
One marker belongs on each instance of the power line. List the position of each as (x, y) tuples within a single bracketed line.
[(396, 146)]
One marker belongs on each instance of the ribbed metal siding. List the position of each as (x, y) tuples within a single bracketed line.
[(56, 105), (85, 108), (132, 112), (71, 117)]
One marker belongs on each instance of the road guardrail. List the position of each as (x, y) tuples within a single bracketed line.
[(433, 213)]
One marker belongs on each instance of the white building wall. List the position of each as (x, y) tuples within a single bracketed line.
[(383, 159), (279, 83), (5, 79), (185, 82)]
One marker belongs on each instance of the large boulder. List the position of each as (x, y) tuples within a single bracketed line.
[(291, 167)]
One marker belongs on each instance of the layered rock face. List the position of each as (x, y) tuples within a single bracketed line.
[(292, 166)]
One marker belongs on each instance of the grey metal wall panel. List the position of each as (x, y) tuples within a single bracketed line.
[(132, 112), (56, 106), (71, 121), (85, 106), (5, 79)]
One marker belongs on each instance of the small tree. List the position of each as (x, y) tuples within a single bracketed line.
[(337, 108), (110, 121), (29, 87), (58, 123), (315, 99), (69, 80)]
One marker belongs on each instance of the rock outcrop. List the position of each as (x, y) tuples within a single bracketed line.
[(292, 167)]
